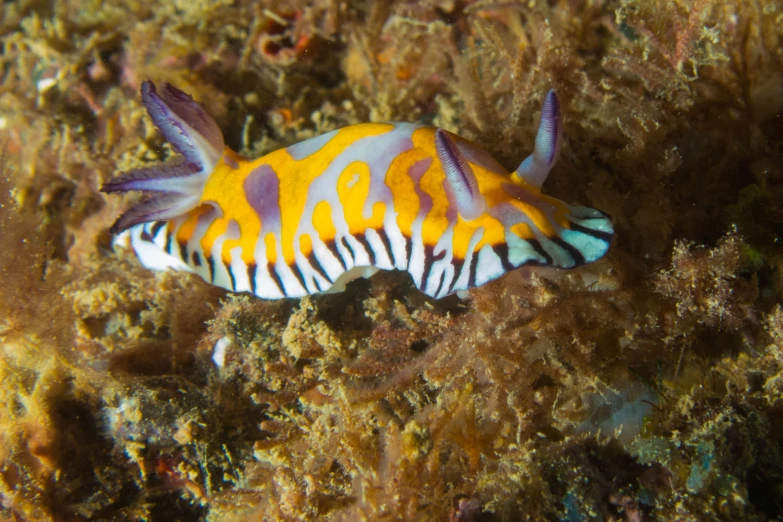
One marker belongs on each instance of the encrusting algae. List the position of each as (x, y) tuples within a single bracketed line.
[(644, 386)]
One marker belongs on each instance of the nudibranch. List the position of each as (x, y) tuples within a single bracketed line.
[(310, 217)]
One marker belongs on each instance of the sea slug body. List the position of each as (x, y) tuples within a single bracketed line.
[(311, 217)]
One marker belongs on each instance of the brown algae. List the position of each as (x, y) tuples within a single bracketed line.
[(646, 386)]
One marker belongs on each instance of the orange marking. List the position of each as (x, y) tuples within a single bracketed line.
[(305, 244), (296, 177), (538, 218), (216, 229), (403, 188), (322, 221), (187, 229), (271, 248), (523, 230), (491, 187), (353, 189), (224, 188), (435, 223)]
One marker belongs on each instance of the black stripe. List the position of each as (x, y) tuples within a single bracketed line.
[(408, 251), (579, 259), (426, 266), (440, 284), (275, 277), (145, 236), (211, 263), (251, 276), (317, 267), (300, 276), (429, 260), (196, 258), (169, 237), (156, 228), (472, 271), (457, 263), (183, 251), (501, 250), (231, 277), (366, 244), (536, 244), (347, 246), (332, 246), (598, 234), (387, 245)]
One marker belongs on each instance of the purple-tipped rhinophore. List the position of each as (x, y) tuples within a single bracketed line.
[(179, 184), (549, 138), (184, 123), (470, 202)]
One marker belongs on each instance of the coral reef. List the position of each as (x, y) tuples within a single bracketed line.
[(647, 386)]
